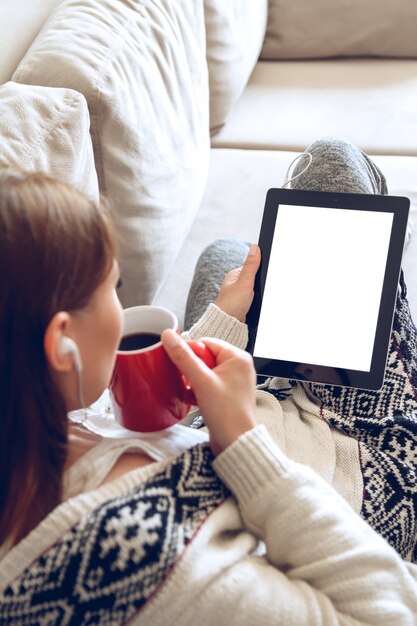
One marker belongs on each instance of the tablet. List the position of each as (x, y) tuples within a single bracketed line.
[(326, 289)]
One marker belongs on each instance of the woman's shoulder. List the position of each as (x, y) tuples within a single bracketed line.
[(119, 551)]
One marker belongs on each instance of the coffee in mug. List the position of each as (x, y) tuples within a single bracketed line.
[(147, 391), (137, 341)]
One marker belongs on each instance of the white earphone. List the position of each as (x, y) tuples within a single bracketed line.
[(287, 180), (68, 346)]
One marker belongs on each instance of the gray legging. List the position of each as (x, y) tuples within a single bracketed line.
[(383, 422)]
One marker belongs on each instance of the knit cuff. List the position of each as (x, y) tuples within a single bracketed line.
[(251, 463), (216, 323)]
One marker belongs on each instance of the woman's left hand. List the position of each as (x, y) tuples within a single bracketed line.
[(236, 293)]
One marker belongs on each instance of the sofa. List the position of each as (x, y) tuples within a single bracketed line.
[(184, 113)]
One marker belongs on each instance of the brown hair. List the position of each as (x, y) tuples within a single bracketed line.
[(56, 247)]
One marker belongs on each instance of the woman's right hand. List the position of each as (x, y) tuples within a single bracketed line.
[(225, 394)]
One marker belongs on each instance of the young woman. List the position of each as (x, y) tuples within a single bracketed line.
[(101, 532)]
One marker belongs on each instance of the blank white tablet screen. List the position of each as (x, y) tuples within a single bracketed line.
[(323, 289)]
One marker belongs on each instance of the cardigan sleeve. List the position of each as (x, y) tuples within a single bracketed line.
[(216, 323), (330, 566)]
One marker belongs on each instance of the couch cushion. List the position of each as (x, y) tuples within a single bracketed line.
[(47, 129), (289, 104), (325, 28), (142, 69), (235, 32), (233, 204)]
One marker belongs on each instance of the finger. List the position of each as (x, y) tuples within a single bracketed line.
[(193, 368), (251, 265), (232, 276), (222, 350)]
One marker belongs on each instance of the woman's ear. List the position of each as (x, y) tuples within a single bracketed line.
[(54, 333)]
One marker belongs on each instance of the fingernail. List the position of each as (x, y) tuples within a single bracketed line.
[(253, 249), (171, 338)]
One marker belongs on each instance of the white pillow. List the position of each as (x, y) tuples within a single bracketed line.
[(326, 28), (235, 31), (47, 129), (142, 69)]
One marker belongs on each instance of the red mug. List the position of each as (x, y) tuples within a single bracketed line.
[(147, 391)]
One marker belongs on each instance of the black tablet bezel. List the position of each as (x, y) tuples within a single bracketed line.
[(399, 207)]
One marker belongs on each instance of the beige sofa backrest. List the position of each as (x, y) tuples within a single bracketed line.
[(235, 31), (330, 28)]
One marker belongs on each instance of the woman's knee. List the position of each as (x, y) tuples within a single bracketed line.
[(226, 251), (338, 166), (332, 146)]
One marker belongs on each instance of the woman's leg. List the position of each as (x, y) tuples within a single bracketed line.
[(215, 261), (384, 422), (338, 166)]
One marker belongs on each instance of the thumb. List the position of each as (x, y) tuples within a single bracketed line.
[(251, 265), (180, 353)]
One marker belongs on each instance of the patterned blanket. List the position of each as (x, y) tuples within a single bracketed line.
[(385, 424)]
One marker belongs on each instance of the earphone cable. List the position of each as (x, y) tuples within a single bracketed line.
[(287, 180)]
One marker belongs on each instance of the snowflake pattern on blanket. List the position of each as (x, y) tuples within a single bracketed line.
[(385, 425), (107, 566)]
